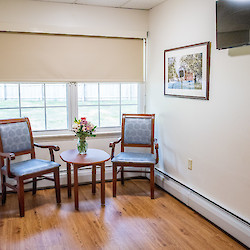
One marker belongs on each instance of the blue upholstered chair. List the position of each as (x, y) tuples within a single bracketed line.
[(16, 139), (137, 131)]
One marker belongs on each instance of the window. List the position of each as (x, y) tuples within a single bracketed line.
[(49, 106), (104, 103), (44, 103)]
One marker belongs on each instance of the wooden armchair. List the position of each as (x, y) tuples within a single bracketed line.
[(137, 131), (16, 139)]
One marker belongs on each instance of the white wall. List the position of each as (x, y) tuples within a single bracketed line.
[(49, 17), (215, 134)]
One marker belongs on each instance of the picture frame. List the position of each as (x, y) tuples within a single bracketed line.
[(187, 71)]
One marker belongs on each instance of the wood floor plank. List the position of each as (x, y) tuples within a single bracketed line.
[(130, 221)]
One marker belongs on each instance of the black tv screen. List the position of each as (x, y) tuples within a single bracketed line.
[(232, 23)]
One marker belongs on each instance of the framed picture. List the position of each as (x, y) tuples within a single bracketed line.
[(186, 71)]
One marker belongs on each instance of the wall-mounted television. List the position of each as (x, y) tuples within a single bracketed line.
[(232, 23)]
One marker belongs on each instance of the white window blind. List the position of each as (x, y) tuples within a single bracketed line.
[(62, 58)]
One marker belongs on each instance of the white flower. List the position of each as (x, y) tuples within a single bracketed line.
[(76, 127)]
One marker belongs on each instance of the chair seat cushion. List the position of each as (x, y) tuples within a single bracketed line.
[(140, 158), (31, 166)]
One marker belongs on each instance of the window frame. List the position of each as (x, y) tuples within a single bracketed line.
[(72, 105), (139, 104), (20, 107)]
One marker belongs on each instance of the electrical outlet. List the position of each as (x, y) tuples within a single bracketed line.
[(190, 164)]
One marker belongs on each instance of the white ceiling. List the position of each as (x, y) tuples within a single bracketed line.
[(128, 4)]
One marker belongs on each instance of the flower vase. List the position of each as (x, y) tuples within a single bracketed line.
[(82, 146)]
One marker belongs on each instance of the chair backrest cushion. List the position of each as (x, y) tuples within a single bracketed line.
[(137, 130), (15, 137)]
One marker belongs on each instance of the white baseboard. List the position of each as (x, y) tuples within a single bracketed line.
[(84, 176), (226, 221)]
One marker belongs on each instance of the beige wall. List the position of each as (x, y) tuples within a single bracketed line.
[(51, 17), (215, 134), (65, 143), (45, 17)]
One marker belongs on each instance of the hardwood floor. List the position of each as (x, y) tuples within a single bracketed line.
[(130, 221)]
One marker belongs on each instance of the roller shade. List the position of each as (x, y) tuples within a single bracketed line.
[(45, 57)]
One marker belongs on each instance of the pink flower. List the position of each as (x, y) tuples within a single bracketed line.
[(89, 126), (83, 128), (83, 121)]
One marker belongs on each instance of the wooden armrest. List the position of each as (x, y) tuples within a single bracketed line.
[(156, 151), (54, 147), (112, 145), (51, 148), (10, 156)]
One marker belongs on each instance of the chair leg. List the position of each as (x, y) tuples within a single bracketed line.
[(152, 181), (122, 175), (34, 186), (57, 185), (94, 179), (20, 193), (69, 179), (3, 181), (114, 179)]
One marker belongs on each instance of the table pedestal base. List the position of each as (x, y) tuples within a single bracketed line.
[(76, 193)]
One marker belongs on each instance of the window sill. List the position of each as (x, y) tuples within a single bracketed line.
[(66, 134)]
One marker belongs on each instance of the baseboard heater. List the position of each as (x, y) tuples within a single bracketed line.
[(232, 224)]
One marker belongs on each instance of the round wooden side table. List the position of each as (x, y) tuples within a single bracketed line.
[(94, 157)]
